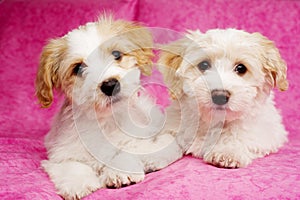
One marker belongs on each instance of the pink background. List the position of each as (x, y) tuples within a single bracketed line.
[(25, 27)]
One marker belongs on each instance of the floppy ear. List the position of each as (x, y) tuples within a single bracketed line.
[(273, 65), (170, 59), (47, 76), (137, 34), (144, 60), (142, 38)]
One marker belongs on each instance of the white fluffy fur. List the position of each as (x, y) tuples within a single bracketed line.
[(98, 141), (248, 126)]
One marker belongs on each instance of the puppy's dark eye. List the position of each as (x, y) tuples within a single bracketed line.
[(240, 69), (204, 65), (78, 69), (117, 55)]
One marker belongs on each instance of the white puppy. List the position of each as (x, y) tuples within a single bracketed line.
[(107, 131), (223, 80)]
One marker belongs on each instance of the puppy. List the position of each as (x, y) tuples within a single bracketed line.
[(107, 131), (223, 81)]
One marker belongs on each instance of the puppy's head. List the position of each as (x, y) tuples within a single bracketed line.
[(228, 70), (99, 62)]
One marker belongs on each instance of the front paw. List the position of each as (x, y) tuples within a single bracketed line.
[(227, 159), (73, 180), (116, 179)]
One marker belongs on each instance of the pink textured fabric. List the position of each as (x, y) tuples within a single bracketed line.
[(25, 27)]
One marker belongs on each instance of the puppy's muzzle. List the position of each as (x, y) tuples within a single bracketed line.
[(110, 87), (220, 97)]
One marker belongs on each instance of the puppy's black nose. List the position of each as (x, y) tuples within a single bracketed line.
[(220, 97), (110, 87)]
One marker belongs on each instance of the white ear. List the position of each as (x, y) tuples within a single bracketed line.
[(274, 66)]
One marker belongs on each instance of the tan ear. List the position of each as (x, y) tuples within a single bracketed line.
[(170, 59), (144, 60), (136, 33), (47, 76), (274, 66), (143, 39)]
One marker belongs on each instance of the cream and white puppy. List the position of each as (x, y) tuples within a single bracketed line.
[(107, 131), (223, 81)]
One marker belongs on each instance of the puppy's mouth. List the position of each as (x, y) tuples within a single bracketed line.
[(220, 108), (112, 100)]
